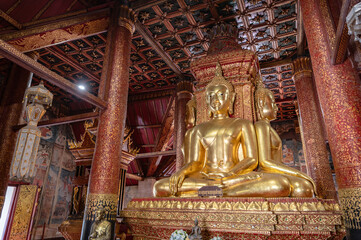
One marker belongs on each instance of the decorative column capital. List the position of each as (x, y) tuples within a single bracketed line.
[(184, 89), (125, 160), (302, 67), (126, 18)]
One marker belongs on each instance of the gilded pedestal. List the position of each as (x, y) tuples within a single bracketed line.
[(235, 218), (339, 91)]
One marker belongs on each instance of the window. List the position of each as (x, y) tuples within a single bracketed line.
[(9, 198)]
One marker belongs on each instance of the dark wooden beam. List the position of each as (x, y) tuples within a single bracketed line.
[(63, 120), (276, 63), (168, 170), (150, 95), (342, 38), (163, 137), (168, 110), (300, 31), (161, 169), (33, 66), (155, 154), (53, 33), (158, 48), (147, 126), (147, 145), (83, 162), (134, 177), (10, 20), (61, 22), (143, 4)]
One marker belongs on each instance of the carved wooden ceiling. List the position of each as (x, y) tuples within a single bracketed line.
[(180, 30)]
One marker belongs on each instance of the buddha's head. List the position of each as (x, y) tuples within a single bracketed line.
[(265, 104), (100, 215), (220, 95)]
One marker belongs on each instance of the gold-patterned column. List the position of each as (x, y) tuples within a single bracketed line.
[(318, 166), (104, 178), (339, 91), (184, 94), (24, 212), (10, 115)]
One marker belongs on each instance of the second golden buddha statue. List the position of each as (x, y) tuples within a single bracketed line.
[(223, 152)]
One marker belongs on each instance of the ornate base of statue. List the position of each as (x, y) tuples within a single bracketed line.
[(235, 218), (71, 228)]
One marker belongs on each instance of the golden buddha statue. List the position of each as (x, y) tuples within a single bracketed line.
[(222, 152), (270, 146), (101, 228)]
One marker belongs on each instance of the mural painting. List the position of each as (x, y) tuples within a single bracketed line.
[(55, 171), (293, 154)]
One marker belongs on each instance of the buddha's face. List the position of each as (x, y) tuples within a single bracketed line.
[(99, 215), (218, 99), (269, 107)]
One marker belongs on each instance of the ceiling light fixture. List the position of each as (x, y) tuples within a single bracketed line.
[(81, 87)]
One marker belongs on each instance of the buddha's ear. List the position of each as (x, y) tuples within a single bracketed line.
[(233, 97), (208, 107), (259, 108), (260, 103)]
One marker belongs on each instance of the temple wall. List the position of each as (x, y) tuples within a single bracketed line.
[(143, 190), (55, 170)]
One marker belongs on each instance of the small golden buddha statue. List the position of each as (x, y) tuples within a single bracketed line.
[(270, 146), (222, 152), (196, 233), (101, 228)]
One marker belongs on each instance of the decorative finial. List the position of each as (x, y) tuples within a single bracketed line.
[(219, 70)]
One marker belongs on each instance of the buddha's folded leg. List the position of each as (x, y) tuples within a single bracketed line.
[(300, 187), (264, 185), (189, 187)]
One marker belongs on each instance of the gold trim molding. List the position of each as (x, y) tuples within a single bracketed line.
[(302, 65), (350, 200), (234, 204), (96, 202), (156, 218)]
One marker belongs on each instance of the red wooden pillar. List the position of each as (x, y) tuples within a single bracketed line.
[(339, 91), (184, 94), (318, 166), (104, 177)]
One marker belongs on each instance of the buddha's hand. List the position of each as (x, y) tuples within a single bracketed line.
[(176, 181)]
